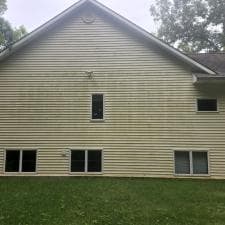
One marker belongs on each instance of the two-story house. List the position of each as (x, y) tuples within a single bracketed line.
[(91, 93)]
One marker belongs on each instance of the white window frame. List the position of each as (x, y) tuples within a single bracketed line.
[(191, 162), (97, 120), (217, 104), (20, 172), (86, 161)]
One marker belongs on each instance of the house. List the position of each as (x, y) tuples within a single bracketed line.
[(90, 93)]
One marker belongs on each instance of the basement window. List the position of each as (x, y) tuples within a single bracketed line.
[(94, 161), (191, 162), (78, 161), (86, 161), (207, 105), (97, 108), (28, 161), (20, 161)]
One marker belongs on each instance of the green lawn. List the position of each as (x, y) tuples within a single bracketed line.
[(95, 201)]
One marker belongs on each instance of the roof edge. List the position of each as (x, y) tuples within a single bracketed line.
[(203, 78), (38, 31), (161, 43)]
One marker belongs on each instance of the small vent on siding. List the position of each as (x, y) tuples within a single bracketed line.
[(88, 17)]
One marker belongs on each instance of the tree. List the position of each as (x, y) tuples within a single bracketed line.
[(191, 25), (7, 34)]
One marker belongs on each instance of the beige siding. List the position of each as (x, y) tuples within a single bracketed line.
[(150, 102)]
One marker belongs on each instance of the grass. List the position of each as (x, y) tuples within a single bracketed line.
[(111, 201)]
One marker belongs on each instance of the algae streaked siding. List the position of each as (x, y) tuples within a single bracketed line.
[(149, 102)]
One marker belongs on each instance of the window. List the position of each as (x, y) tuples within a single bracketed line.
[(17, 161), (182, 162), (97, 107), (191, 162), (28, 161), (94, 161), (200, 162), (78, 161), (86, 161), (12, 161), (207, 105)]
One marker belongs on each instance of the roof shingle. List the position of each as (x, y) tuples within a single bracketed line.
[(215, 61)]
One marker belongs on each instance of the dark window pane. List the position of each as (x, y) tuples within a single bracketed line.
[(200, 162), (78, 161), (94, 161), (12, 161), (207, 105), (97, 106), (182, 162), (29, 161)]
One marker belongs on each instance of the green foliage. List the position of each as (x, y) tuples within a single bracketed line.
[(191, 25), (111, 201), (3, 7), (19, 32), (7, 33)]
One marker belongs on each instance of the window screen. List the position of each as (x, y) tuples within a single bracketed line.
[(12, 161), (97, 106), (29, 161), (200, 162), (182, 162), (207, 105), (94, 161), (77, 161)]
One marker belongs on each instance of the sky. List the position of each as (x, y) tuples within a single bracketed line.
[(33, 13)]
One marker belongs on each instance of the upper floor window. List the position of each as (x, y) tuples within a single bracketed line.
[(97, 107), (207, 105)]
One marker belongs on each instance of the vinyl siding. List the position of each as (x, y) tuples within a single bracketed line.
[(150, 102)]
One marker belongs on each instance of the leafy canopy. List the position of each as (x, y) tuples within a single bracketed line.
[(7, 33), (191, 25)]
